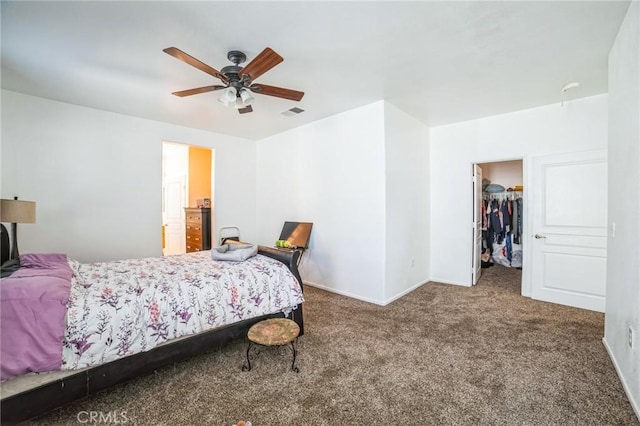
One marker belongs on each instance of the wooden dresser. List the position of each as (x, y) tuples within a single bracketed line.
[(198, 228)]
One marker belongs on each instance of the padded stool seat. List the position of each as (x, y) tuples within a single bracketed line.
[(273, 332)]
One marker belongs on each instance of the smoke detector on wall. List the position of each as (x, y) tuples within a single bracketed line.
[(564, 90)]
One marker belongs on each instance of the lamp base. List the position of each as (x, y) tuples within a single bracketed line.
[(14, 242), (4, 244)]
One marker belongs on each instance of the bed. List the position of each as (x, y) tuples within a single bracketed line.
[(119, 321)]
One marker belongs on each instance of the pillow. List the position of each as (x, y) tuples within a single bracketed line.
[(42, 260), (234, 252)]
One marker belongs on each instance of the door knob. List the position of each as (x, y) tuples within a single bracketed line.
[(538, 236)]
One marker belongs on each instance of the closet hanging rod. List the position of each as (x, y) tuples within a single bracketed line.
[(502, 194)]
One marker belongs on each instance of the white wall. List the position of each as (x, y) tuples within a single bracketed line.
[(505, 173), (96, 177), (623, 267), (331, 173), (578, 126), (407, 203)]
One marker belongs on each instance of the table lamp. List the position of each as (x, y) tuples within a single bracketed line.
[(16, 211)]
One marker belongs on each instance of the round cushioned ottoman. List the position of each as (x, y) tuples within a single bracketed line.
[(274, 332)]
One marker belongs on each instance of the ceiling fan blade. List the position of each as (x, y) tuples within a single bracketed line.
[(262, 63), (184, 57), (278, 92), (245, 110), (198, 90)]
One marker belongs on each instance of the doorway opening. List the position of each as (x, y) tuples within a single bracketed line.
[(187, 183), (499, 221)]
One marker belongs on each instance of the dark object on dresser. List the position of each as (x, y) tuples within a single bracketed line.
[(198, 228), (37, 401)]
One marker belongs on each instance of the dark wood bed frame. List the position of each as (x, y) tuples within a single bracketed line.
[(39, 400)]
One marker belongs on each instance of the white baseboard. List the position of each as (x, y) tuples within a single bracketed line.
[(634, 404), (343, 293), (436, 280), (407, 291), (364, 299)]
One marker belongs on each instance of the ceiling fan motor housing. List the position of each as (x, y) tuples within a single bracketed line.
[(232, 72)]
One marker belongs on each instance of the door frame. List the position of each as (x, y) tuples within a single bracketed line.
[(525, 285), (476, 268)]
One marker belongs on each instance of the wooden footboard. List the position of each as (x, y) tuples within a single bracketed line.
[(40, 399)]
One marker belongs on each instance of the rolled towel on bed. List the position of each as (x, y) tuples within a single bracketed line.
[(234, 252)]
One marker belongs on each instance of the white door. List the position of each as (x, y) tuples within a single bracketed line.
[(477, 224), (174, 203), (569, 248)]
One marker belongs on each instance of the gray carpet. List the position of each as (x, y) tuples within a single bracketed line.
[(442, 355)]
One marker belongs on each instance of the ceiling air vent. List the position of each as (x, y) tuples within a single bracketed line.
[(293, 111)]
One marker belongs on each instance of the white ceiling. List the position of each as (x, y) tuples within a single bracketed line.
[(441, 62)]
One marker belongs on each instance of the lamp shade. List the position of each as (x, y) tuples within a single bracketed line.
[(228, 96), (247, 99), (17, 211)]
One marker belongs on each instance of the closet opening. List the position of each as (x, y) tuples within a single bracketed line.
[(498, 222)]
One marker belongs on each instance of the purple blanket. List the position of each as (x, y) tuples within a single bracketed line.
[(32, 314)]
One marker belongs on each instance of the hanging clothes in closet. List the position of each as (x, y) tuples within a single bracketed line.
[(503, 231)]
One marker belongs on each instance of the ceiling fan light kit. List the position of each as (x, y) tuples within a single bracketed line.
[(237, 80), (246, 97), (228, 96)]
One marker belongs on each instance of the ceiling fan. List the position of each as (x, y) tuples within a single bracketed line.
[(237, 80)]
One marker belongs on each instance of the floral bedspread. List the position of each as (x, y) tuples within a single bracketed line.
[(120, 308)]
